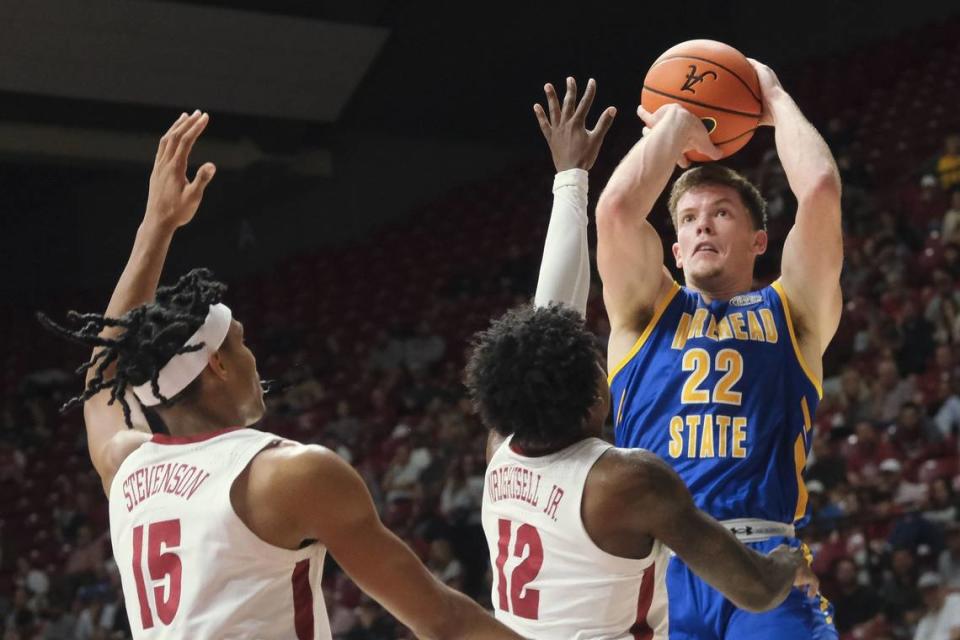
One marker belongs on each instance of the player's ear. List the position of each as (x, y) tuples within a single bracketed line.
[(676, 255), (216, 365), (760, 240)]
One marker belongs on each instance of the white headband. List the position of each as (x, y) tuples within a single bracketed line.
[(185, 367)]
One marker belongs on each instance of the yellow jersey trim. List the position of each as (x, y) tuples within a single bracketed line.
[(657, 312), (793, 339), (800, 460)]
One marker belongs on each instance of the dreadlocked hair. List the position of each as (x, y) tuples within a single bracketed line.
[(153, 333), (533, 373)]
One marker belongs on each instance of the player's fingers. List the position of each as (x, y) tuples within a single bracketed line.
[(569, 99), (190, 137), (553, 104), (586, 101), (175, 134), (704, 145), (542, 120), (183, 116), (204, 175), (683, 162), (645, 132), (604, 122), (165, 138), (647, 117)]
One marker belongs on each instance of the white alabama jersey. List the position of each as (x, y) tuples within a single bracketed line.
[(190, 567), (550, 581)]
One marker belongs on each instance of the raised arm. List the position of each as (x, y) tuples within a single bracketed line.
[(172, 202), (565, 268), (813, 251), (647, 498), (316, 493), (629, 251)]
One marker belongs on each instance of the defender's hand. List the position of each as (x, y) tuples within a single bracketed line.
[(770, 89), (687, 125), (805, 577), (173, 199), (572, 145)]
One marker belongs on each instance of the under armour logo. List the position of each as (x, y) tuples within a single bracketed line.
[(693, 79), (741, 531)]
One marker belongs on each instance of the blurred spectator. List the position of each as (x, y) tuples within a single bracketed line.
[(88, 554), (916, 339), (948, 164), (838, 135), (899, 592), (387, 354), (925, 206), (949, 562), (950, 232), (941, 619), (443, 564), (462, 495), (853, 602), (942, 312), (372, 623), (890, 391), (424, 348), (346, 427), (940, 368), (942, 507), (401, 479), (947, 418), (853, 398), (826, 513), (13, 463), (905, 494), (912, 434), (828, 466), (867, 448)]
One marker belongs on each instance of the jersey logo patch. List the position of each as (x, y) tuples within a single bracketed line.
[(746, 299)]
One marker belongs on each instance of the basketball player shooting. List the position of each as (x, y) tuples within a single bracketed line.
[(720, 380), (574, 526), (220, 531)]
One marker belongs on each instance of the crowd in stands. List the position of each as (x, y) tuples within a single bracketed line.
[(379, 381)]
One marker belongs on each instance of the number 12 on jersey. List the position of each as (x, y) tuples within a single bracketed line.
[(162, 565), (523, 602)]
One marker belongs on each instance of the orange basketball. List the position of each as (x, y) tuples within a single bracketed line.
[(715, 82)]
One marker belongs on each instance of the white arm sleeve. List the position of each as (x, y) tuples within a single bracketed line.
[(565, 268)]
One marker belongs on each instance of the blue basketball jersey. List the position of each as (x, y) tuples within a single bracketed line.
[(721, 392)]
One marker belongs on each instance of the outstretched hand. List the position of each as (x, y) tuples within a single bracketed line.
[(572, 145), (173, 199)]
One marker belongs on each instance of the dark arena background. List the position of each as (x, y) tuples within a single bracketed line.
[(383, 191)]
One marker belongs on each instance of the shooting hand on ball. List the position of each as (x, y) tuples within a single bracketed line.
[(770, 89), (686, 125)]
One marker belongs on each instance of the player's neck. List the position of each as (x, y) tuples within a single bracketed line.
[(720, 288), (196, 420), (539, 450)]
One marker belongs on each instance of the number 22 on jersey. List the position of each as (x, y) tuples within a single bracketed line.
[(163, 567), (521, 601)]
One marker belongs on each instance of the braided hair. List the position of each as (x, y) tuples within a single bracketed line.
[(153, 333)]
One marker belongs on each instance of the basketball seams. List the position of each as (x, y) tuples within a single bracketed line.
[(701, 104), (717, 64), (736, 137)]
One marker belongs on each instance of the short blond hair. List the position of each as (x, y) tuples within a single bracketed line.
[(724, 176)]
